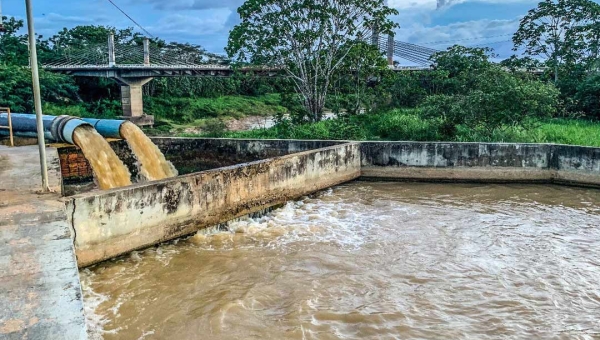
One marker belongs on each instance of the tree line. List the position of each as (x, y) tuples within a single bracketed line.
[(329, 64)]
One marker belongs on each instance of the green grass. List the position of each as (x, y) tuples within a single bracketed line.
[(574, 132), (176, 115), (408, 125), (189, 110)]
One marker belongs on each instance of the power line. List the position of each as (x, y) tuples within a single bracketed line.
[(130, 18), (491, 43)]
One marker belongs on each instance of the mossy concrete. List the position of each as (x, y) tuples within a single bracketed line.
[(481, 162), (111, 223)]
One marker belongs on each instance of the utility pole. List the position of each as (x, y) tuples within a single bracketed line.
[(36, 97), (1, 23)]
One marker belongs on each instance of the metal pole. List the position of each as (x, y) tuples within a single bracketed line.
[(36, 97), (1, 20)]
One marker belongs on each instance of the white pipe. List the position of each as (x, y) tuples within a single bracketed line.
[(37, 97)]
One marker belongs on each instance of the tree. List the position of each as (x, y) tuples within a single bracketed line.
[(588, 96), (525, 65), (13, 47), (310, 39), (483, 97), (558, 30), (16, 91), (357, 83)]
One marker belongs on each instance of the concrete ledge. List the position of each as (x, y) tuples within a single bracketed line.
[(459, 174), (40, 294), (481, 162), (111, 223)]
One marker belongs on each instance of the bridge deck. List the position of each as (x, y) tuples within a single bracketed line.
[(146, 71)]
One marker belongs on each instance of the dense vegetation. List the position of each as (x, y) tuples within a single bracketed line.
[(179, 100), (409, 124), (550, 95)]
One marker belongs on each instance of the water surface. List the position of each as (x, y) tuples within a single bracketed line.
[(370, 261)]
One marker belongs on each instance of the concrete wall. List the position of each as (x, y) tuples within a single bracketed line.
[(576, 165), (188, 155), (111, 223), (481, 162), (197, 154)]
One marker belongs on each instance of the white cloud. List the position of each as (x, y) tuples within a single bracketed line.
[(193, 25), (192, 4)]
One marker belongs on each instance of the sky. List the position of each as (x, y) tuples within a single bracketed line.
[(432, 23)]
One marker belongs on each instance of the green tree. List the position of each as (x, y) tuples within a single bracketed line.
[(357, 83), (483, 97), (309, 39), (16, 91), (559, 30), (86, 36), (587, 96), (521, 64), (13, 46)]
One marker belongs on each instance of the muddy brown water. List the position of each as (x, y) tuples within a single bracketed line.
[(150, 160), (109, 170), (370, 261)]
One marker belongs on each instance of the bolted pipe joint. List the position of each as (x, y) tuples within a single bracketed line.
[(58, 129), (63, 127)]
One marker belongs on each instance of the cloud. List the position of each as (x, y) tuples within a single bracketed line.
[(208, 22), (192, 4), (198, 24)]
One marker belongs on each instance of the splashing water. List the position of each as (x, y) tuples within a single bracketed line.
[(109, 170), (152, 163)]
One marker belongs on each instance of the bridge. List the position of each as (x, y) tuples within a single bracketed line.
[(132, 66)]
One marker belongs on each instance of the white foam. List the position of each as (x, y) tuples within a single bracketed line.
[(312, 220)]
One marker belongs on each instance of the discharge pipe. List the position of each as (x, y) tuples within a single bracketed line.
[(107, 128), (56, 128)]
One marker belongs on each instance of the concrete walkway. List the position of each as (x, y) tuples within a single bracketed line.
[(40, 294)]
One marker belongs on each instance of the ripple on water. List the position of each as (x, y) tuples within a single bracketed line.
[(369, 260)]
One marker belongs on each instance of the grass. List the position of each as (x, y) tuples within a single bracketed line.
[(574, 132), (176, 115), (408, 125), (189, 110)]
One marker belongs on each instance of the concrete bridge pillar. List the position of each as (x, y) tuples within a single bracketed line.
[(390, 50), (132, 100)]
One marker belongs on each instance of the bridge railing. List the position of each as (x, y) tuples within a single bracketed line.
[(111, 54), (177, 56)]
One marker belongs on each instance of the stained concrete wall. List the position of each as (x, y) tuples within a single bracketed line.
[(114, 222), (576, 165), (188, 155), (481, 162)]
